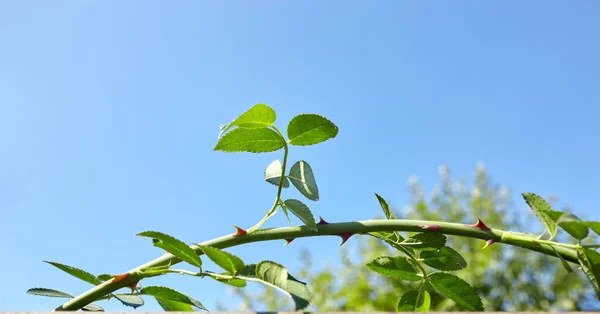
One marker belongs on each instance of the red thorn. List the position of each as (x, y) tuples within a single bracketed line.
[(288, 241), (488, 243), (117, 278), (345, 236), (480, 225), (322, 221), (133, 285), (430, 227), (239, 231)]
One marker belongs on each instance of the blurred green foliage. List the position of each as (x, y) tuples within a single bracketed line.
[(506, 278)]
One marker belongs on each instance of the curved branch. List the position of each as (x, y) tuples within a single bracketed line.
[(357, 227)]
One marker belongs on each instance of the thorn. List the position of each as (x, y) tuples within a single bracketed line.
[(133, 285), (288, 241), (322, 221), (430, 227), (488, 243), (345, 236), (480, 225), (239, 231), (117, 278)]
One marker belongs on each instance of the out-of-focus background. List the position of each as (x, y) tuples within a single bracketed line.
[(109, 111)]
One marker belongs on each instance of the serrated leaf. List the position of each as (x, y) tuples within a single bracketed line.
[(165, 293), (76, 272), (389, 215), (444, 258), (303, 179), (543, 211), (310, 129), (302, 212), (173, 246), (225, 260), (426, 241), (273, 174), (397, 267), (45, 292), (276, 276), (456, 290), (172, 306), (250, 140), (259, 116), (129, 300), (92, 308), (573, 226), (414, 301), (590, 262)]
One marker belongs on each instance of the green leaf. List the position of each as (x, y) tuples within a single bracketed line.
[(276, 276), (236, 282), (173, 246), (456, 290), (165, 293), (92, 308), (426, 241), (389, 215), (76, 272), (273, 174), (564, 263), (444, 258), (391, 239), (590, 262), (302, 212), (225, 260), (104, 277), (257, 117), (172, 306), (595, 226), (250, 140), (397, 266), (303, 179), (543, 211), (129, 300), (155, 270), (413, 301), (310, 129), (573, 226), (45, 292)]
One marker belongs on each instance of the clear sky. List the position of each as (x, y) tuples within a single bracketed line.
[(109, 111)]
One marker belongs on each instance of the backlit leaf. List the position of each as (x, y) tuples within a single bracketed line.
[(250, 140), (259, 116), (590, 262), (273, 174), (225, 260), (173, 246), (456, 290), (49, 293), (397, 266), (92, 308), (310, 129), (426, 241), (303, 179), (389, 215), (165, 293), (413, 301), (302, 212), (76, 272), (543, 211), (172, 306), (573, 226), (444, 258)]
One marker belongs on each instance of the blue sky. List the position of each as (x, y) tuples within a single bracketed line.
[(109, 111)]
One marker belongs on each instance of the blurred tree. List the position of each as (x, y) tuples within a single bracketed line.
[(506, 278)]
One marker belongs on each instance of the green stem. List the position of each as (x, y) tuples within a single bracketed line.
[(356, 227), (279, 188)]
